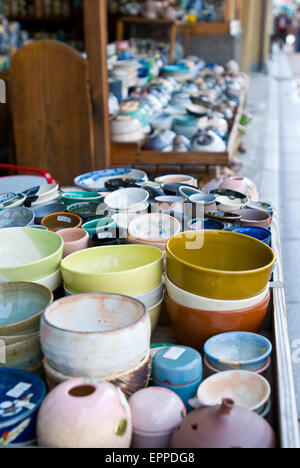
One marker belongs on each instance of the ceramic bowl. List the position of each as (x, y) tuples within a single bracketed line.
[(229, 217), (245, 263), (246, 389), (8, 340), (167, 203), (136, 210), (255, 218), (95, 181), (78, 197), (194, 327), (109, 236), (162, 122), (23, 354), (125, 269), (16, 217), (30, 254), (44, 210), (193, 301), (88, 211), (21, 307), (186, 125), (208, 142), (88, 333), (206, 223), (11, 200), (127, 198), (202, 202), (58, 221), (187, 192), (210, 370), (99, 225), (242, 185), (130, 382), (52, 282), (177, 178), (75, 239), (238, 350), (229, 200), (155, 227), (262, 234), (154, 313)]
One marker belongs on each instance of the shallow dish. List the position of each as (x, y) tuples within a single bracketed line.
[(11, 200), (125, 269), (219, 264), (124, 199), (246, 389), (196, 302), (86, 335), (16, 217), (96, 180), (21, 306), (194, 327), (238, 350), (30, 254)]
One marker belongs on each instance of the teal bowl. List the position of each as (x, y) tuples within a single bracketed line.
[(98, 225), (69, 198)]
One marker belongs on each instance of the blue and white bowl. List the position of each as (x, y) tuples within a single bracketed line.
[(238, 351), (95, 181), (21, 394)]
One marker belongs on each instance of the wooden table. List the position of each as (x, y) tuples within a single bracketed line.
[(180, 27)]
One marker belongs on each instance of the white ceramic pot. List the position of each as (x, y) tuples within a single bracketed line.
[(95, 335)]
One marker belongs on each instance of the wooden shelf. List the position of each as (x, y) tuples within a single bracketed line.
[(45, 20)]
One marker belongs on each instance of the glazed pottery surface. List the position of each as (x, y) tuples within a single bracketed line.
[(23, 354), (210, 370), (88, 211), (58, 221), (21, 306), (238, 350), (130, 382), (70, 198), (258, 218), (75, 239), (229, 200), (186, 299), (99, 225), (124, 199), (44, 210), (206, 223), (246, 389), (156, 412), (242, 185), (96, 180), (177, 178), (223, 426), (21, 395), (52, 282), (195, 327), (219, 264), (264, 235), (30, 254), (84, 414), (125, 269), (154, 227), (154, 313), (16, 217), (86, 335)]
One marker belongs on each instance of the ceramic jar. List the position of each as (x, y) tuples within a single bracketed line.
[(156, 412), (178, 368), (84, 414), (223, 426)]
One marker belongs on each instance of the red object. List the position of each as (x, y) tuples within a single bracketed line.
[(40, 172)]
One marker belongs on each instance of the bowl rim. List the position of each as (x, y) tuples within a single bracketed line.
[(262, 357), (258, 377), (63, 267), (223, 272), (266, 215), (104, 332), (39, 261), (61, 213), (259, 228), (131, 189), (80, 193), (149, 216), (157, 304), (35, 285)]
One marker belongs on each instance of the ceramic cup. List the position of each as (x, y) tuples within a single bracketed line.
[(75, 239)]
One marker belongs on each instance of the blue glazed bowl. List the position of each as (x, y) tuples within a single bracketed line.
[(264, 235), (21, 394), (238, 351), (206, 223)]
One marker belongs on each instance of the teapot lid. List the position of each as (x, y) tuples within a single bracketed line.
[(224, 426)]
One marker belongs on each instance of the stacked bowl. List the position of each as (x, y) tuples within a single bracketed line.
[(21, 307), (217, 282), (98, 336), (133, 270)]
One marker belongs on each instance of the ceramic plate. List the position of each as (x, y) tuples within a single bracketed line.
[(20, 183), (95, 181)]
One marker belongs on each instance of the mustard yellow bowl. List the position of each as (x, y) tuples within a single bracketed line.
[(219, 264), (120, 269)]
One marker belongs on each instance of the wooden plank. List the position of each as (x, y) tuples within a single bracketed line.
[(287, 407), (49, 99), (95, 23), (204, 28), (229, 10)]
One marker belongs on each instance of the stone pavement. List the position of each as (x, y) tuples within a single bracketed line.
[(273, 162)]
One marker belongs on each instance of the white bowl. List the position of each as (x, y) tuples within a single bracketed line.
[(192, 301), (51, 282), (126, 199), (177, 178)]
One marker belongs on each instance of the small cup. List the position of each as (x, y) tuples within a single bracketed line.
[(58, 221), (75, 239)]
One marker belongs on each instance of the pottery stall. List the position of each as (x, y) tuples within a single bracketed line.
[(187, 281)]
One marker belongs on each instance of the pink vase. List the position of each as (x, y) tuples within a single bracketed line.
[(84, 414)]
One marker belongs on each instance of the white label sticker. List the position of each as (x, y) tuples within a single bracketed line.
[(174, 353), (18, 390), (64, 219)]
